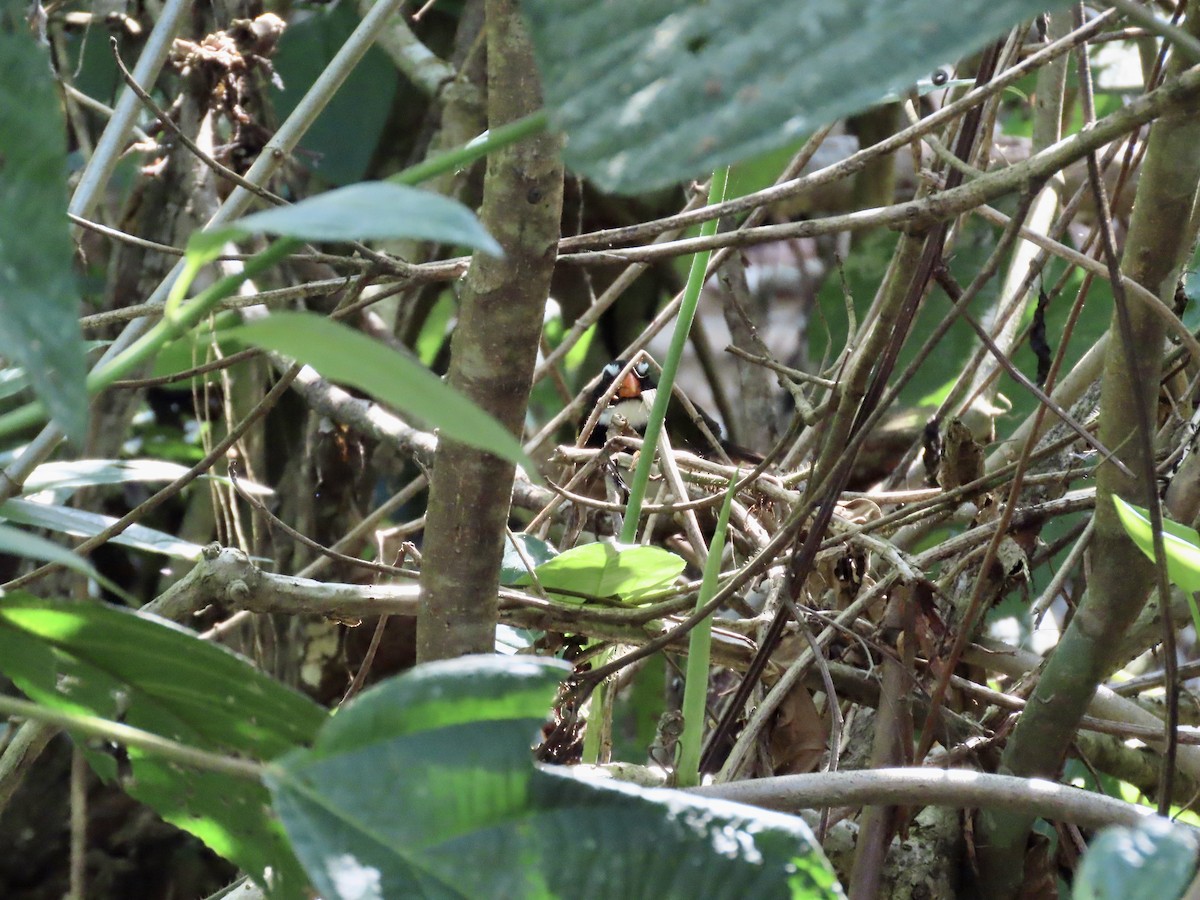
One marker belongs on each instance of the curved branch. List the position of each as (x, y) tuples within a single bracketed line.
[(933, 787)]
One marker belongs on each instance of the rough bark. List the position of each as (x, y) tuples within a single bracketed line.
[(492, 358)]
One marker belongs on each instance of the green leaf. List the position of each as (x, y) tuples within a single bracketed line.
[(82, 523), (77, 473), (95, 659), (604, 569), (1182, 544), (370, 210), (470, 689), (194, 348), (14, 380), (1153, 861), (436, 329), (513, 568), (30, 546), (338, 146), (348, 356), (71, 474), (655, 92), (451, 740), (39, 297)]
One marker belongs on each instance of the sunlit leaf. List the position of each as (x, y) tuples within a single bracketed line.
[(79, 473), (604, 569), (513, 568), (344, 355), (370, 210), (81, 523), (451, 741), (1181, 543), (95, 659)]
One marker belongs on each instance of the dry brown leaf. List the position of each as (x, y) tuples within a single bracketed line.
[(798, 734)]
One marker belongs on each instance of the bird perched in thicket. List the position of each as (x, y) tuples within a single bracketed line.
[(631, 390)]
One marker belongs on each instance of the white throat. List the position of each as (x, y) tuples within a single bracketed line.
[(634, 410)]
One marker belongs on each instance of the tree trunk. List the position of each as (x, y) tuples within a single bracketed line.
[(492, 358)]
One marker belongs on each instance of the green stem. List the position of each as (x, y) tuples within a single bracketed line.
[(666, 382), (166, 330), (456, 158), (593, 734), (695, 689), (94, 726), (172, 327)]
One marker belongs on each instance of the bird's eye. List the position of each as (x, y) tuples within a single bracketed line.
[(642, 369)]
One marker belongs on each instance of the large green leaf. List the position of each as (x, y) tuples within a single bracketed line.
[(96, 659), (39, 298), (466, 813), (513, 568), (1182, 544), (604, 569), (370, 210), (1153, 861), (657, 91), (348, 356), (338, 146), (30, 546), (82, 523)]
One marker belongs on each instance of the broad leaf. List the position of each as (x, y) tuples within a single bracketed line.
[(604, 569), (1153, 861), (658, 91), (513, 567), (338, 146), (96, 659), (370, 210), (466, 813), (350, 357), (39, 298), (78, 473), (30, 546), (14, 380), (1182, 544), (82, 523)]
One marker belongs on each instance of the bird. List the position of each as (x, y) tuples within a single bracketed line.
[(632, 397)]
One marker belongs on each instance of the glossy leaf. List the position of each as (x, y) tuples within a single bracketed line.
[(108, 662), (452, 743), (81, 523), (1153, 861), (344, 355), (604, 569), (39, 297), (1182, 544), (658, 91), (370, 210)]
